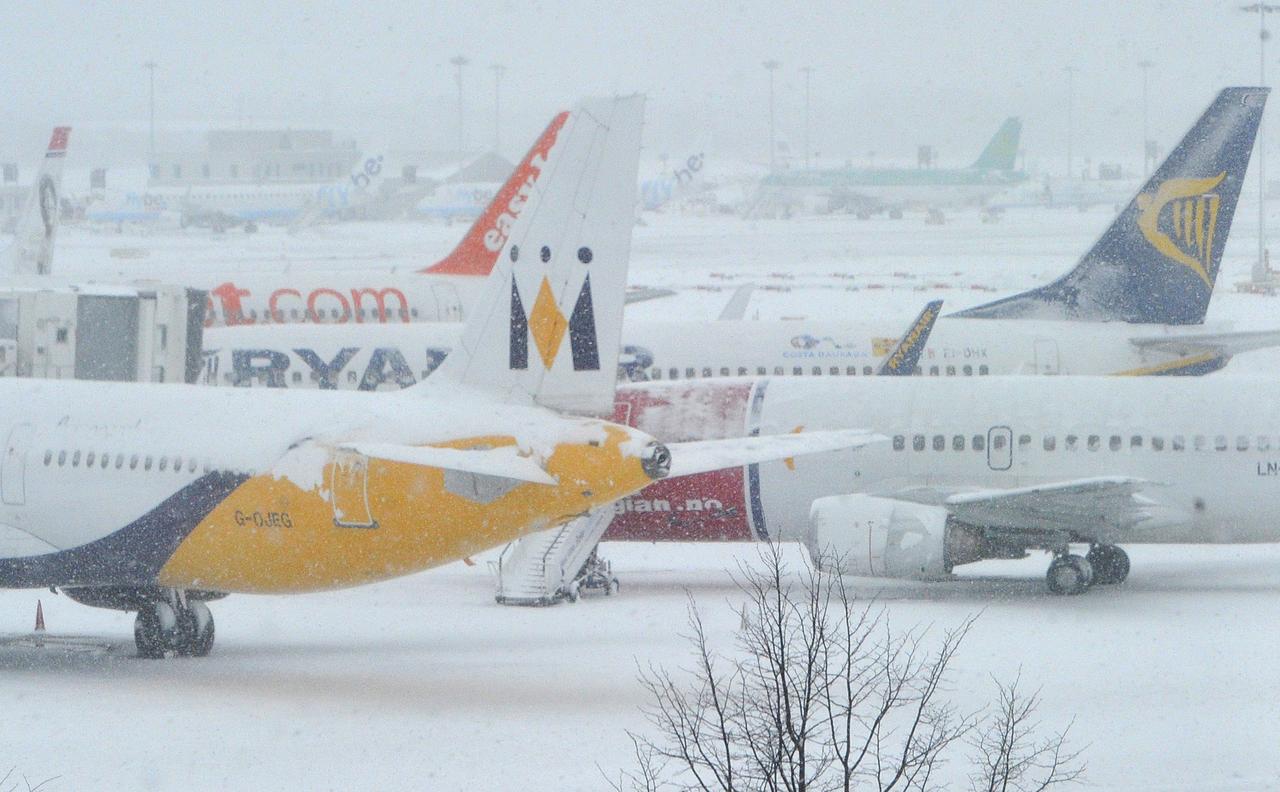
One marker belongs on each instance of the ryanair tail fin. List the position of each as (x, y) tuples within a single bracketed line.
[(32, 249), (902, 359), (1158, 261), (551, 323), (479, 248), (1001, 152)]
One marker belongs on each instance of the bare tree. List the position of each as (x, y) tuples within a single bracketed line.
[(821, 694)]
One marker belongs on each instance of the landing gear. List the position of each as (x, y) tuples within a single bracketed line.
[(1110, 564), (177, 626), (1069, 574)]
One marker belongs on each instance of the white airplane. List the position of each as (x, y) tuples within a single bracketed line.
[(33, 239), (1134, 305), (158, 498), (982, 469)]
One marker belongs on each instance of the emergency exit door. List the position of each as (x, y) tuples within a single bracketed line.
[(999, 448), (349, 489), (13, 468)]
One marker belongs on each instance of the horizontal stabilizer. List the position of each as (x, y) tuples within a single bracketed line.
[(1226, 343), (504, 462), (701, 456)]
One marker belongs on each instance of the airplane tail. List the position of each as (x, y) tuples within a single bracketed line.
[(902, 360), (1002, 150), (1158, 261), (551, 323), (478, 251), (32, 250)]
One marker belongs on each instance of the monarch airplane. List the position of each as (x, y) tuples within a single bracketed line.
[(158, 498), (1134, 305)]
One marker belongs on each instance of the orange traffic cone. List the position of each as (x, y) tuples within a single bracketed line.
[(39, 616)]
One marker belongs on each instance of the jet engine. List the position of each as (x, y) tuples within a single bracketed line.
[(883, 537)]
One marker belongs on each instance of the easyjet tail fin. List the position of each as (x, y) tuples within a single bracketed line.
[(479, 248), (1158, 261), (32, 249), (550, 326), (1001, 152)]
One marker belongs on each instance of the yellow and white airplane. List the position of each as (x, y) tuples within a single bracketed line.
[(159, 498)]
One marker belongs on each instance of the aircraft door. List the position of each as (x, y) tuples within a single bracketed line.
[(13, 468), (448, 306), (999, 448), (1046, 353), (349, 490)]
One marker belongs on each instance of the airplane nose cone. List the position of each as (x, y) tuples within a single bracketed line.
[(656, 461)]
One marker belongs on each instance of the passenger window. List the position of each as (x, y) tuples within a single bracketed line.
[(742, 371), (979, 443), (656, 374), (119, 461), (917, 371), (968, 371), (939, 443), (706, 372), (62, 458), (1220, 443), (983, 370), (1201, 442), (297, 377), (817, 371), (866, 371), (1179, 442), (1157, 443), (951, 371), (761, 371), (797, 371), (997, 443), (933, 371), (777, 371), (75, 459), (917, 442), (690, 373), (674, 374), (48, 457), (1242, 443), (1024, 442), (1050, 442), (164, 463), (957, 443), (1072, 441), (106, 460), (899, 442), (191, 465), (1135, 442), (88, 461), (133, 462), (177, 464), (1264, 443), (852, 371), (1095, 442), (351, 376), (1115, 442), (835, 371)]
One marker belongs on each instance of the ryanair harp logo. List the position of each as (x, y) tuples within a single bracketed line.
[(547, 325), (1188, 226)]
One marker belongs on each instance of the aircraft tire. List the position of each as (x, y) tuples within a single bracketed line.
[(1110, 564), (1069, 574), (155, 630), (194, 634)]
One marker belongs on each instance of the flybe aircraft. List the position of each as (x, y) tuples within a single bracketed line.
[(1134, 305), (867, 190), (159, 498), (982, 469), (33, 238)]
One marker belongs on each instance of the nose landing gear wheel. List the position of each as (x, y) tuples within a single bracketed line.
[(1110, 564), (1069, 574)]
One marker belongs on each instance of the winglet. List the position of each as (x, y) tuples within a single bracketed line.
[(902, 359), (479, 249), (32, 249)]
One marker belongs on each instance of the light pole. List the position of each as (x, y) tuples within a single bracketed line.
[(458, 62), (1145, 65), (1071, 90), (150, 66), (808, 72), (1262, 9), (771, 66), (498, 70)]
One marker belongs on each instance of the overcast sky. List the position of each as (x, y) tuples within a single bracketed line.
[(886, 75)]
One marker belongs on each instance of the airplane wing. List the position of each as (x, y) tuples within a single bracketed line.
[(503, 462), (701, 456), (1226, 343), (1106, 504)]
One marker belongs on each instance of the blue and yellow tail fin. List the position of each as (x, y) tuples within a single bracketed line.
[(905, 356), (1158, 261)]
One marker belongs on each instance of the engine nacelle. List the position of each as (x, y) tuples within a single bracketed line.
[(880, 537)]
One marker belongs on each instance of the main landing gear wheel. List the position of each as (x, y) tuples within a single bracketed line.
[(1110, 564), (185, 629), (1069, 574)]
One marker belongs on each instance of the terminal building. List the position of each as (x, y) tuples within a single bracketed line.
[(258, 156)]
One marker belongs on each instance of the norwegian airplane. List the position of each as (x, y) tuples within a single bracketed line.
[(37, 228), (1134, 305), (157, 499), (983, 469)]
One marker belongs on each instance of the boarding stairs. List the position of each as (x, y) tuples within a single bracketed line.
[(554, 565)]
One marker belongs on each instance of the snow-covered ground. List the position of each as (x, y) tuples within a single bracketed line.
[(425, 683)]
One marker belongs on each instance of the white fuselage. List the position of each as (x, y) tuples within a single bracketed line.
[(1210, 448), (386, 357)]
